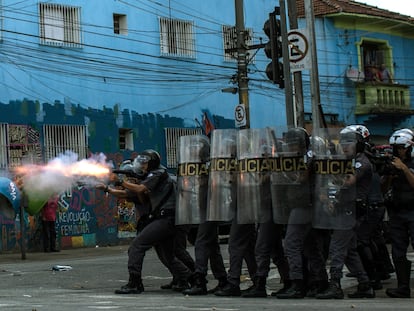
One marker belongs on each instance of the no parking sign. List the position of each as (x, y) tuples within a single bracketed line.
[(299, 55)]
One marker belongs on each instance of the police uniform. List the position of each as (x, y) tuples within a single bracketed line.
[(401, 231), (158, 233), (369, 219), (241, 245), (303, 244), (342, 248), (269, 246), (207, 248), (182, 254)]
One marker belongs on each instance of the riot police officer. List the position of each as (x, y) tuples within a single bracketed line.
[(298, 203), (351, 189), (194, 151), (401, 212), (156, 192), (369, 216)]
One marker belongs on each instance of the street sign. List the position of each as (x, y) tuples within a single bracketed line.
[(240, 115), (299, 55)]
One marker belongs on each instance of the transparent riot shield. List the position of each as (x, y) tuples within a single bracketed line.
[(290, 178), (222, 195), (253, 176), (192, 179), (334, 180)]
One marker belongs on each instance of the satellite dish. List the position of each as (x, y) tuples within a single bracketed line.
[(355, 75)]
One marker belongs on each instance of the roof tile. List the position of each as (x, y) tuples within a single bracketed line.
[(326, 7)]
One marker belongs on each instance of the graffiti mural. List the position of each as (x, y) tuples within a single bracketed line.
[(127, 219), (86, 217)]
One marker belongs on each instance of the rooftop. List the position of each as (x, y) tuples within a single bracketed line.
[(328, 7)]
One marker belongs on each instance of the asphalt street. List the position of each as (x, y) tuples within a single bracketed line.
[(31, 284)]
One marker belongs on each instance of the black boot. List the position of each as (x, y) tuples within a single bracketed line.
[(364, 290), (334, 291), (169, 285), (317, 287), (403, 271), (181, 285), (221, 283), (286, 285), (134, 285), (198, 287), (295, 291), (258, 289), (229, 290)]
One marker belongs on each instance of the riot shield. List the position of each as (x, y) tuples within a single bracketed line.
[(222, 186), (253, 176), (290, 179), (334, 175), (192, 179)]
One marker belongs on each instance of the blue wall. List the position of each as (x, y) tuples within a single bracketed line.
[(122, 81)]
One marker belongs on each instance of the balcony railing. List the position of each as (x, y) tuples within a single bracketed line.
[(383, 99)]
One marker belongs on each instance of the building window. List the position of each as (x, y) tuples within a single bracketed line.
[(172, 136), (120, 24), (61, 138), (59, 25), (230, 41), (19, 144), (126, 139), (373, 53), (176, 38)]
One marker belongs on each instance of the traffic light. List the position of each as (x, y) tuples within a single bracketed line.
[(273, 49)]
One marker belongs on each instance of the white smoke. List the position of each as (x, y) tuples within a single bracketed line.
[(63, 172)]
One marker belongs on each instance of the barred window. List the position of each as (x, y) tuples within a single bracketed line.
[(61, 138), (176, 38), (230, 41), (172, 136), (60, 25), (18, 144)]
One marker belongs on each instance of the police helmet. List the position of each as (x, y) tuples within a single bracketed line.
[(362, 129), (9, 198), (350, 135), (199, 148), (403, 137), (319, 145), (298, 135), (149, 156)]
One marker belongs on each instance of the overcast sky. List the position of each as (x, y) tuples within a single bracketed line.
[(405, 7)]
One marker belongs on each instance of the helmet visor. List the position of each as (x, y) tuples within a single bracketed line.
[(142, 159)]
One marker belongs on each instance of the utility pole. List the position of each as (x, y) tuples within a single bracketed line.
[(290, 118), (317, 114), (242, 62), (297, 75)]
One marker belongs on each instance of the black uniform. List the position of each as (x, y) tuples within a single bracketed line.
[(369, 219), (402, 231), (342, 248), (158, 233), (241, 245), (299, 204), (207, 248), (269, 246)]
